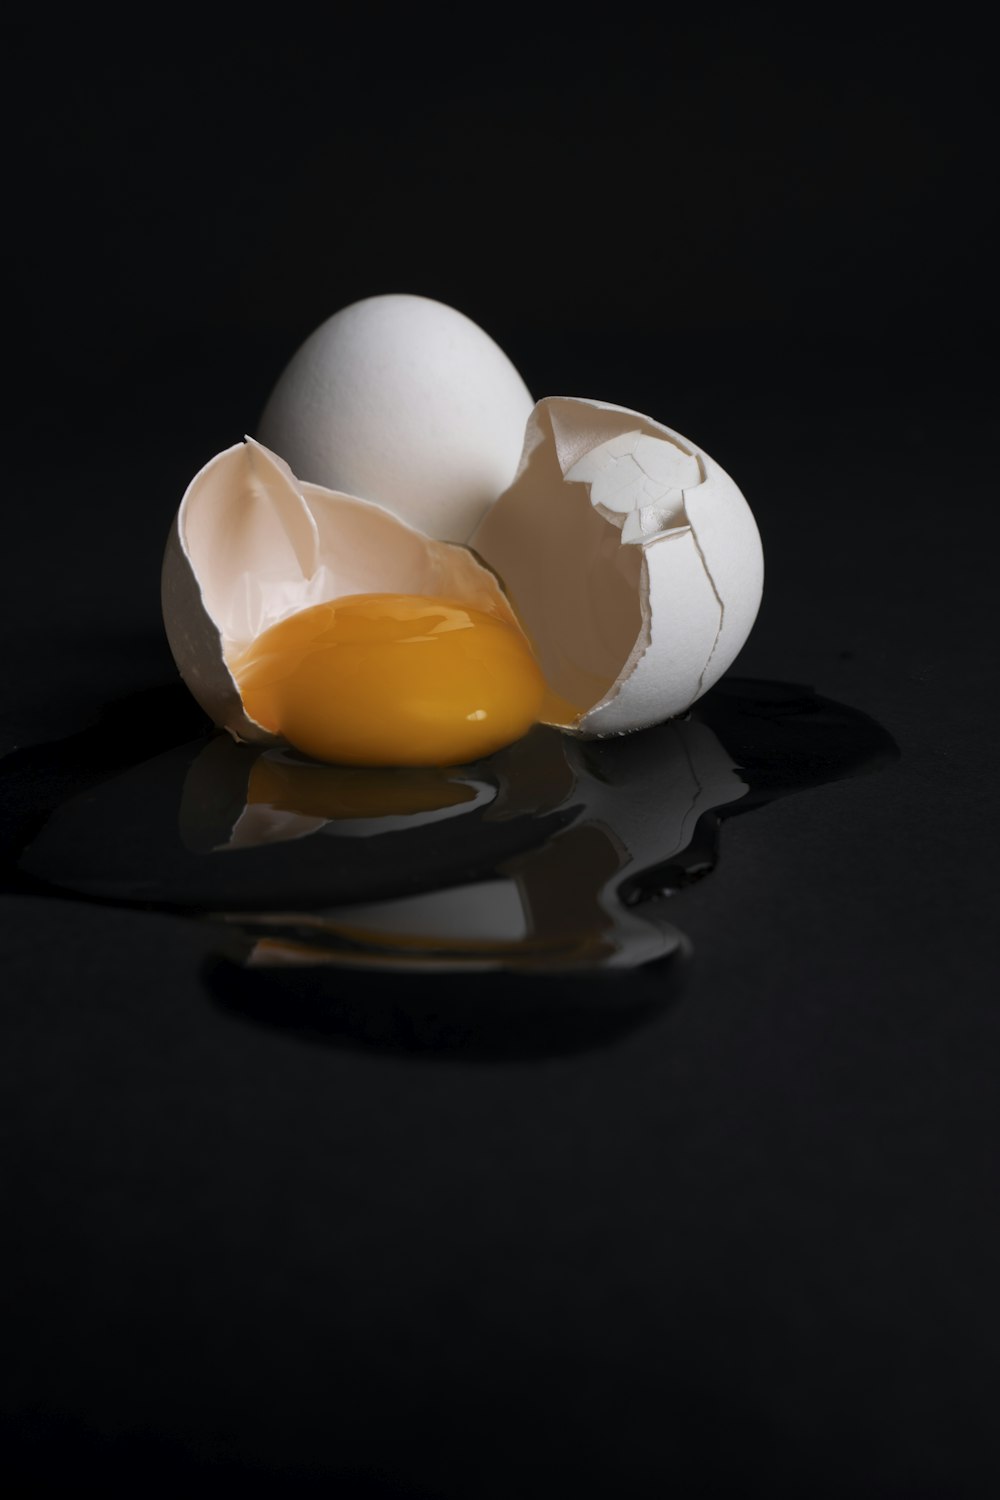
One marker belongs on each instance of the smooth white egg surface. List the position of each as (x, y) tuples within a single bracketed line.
[(404, 401)]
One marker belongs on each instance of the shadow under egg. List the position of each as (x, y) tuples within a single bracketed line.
[(456, 1015)]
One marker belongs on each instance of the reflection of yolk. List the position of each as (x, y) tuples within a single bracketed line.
[(392, 680), (332, 792)]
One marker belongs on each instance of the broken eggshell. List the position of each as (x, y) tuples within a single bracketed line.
[(251, 545), (631, 558)]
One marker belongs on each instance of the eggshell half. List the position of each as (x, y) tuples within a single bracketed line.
[(251, 545), (406, 402), (631, 559)]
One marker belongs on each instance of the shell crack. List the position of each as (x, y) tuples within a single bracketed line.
[(719, 600), (637, 483)]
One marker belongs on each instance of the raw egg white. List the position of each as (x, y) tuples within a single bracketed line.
[(611, 573)]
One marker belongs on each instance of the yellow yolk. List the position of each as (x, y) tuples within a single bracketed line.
[(392, 680)]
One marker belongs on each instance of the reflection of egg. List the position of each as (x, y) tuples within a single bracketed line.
[(629, 560)]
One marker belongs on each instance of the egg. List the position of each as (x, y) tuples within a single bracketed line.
[(601, 586), (407, 402), (252, 548)]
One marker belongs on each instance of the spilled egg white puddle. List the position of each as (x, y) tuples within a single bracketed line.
[(554, 859)]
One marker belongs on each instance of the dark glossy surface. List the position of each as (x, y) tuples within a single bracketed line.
[(554, 860), (554, 854)]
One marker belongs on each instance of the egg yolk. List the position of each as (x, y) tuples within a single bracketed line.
[(392, 680)]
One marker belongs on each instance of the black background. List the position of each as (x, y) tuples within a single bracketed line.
[(754, 1243)]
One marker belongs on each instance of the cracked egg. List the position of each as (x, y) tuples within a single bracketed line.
[(602, 587)]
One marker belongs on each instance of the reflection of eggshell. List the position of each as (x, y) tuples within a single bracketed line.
[(631, 559), (251, 545), (408, 403)]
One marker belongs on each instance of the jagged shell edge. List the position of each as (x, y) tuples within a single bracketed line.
[(195, 639)]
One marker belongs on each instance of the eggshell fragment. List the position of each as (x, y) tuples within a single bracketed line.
[(406, 402), (251, 545), (631, 559)]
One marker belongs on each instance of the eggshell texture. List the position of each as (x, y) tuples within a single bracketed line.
[(251, 545), (406, 402), (631, 559)]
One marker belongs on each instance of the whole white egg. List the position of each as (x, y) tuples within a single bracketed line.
[(403, 401)]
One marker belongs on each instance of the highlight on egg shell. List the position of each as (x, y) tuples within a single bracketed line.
[(407, 402)]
